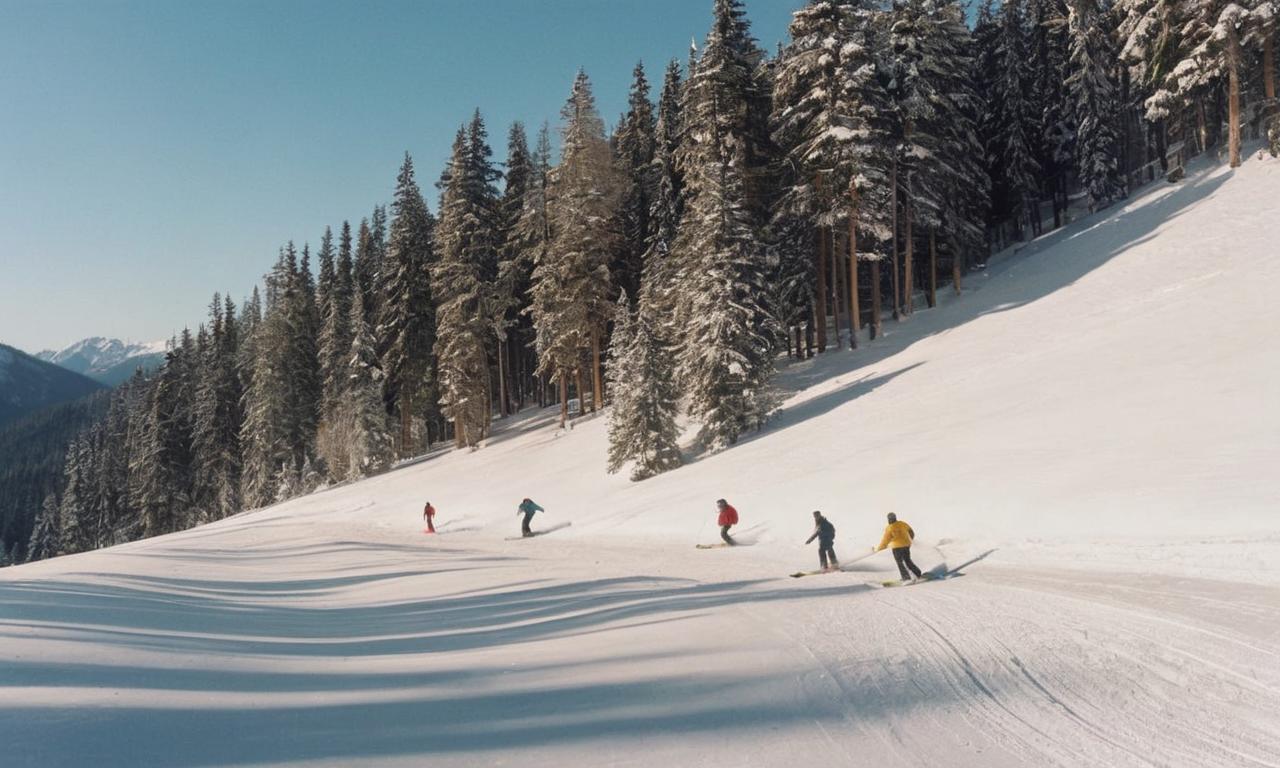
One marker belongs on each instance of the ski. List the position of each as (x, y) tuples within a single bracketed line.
[(923, 580), (542, 532), (721, 545)]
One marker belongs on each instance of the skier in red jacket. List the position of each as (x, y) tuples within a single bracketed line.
[(429, 515), (727, 519)]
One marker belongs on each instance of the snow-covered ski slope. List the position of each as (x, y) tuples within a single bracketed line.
[(1088, 439)]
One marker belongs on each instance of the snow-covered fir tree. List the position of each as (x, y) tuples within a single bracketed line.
[(406, 328), (657, 271), (643, 393), (635, 146), (1094, 105), (367, 441), (727, 345), (571, 284), (513, 328), (466, 241), (217, 417), (46, 536)]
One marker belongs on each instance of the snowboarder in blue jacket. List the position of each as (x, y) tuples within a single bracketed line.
[(527, 508)]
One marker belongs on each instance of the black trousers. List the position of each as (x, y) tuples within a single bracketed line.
[(902, 556), (827, 554), (524, 527), (724, 534)]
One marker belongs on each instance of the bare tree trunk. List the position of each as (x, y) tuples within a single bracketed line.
[(597, 382), (957, 260), (1202, 124), (893, 207), (821, 295), (855, 319), (875, 299), (837, 297), (908, 262), (564, 398), (502, 379), (933, 269), (577, 383), (1233, 97), (799, 334)]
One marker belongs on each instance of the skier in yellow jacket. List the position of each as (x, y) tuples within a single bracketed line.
[(898, 535)]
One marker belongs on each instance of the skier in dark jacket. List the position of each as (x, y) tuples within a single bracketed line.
[(825, 533), (527, 508)]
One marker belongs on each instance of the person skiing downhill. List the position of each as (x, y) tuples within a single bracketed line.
[(898, 535), (727, 519), (429, 515), (825, 533), (527, 508)]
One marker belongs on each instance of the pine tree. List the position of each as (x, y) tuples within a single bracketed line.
[(461, 279), (1010, 122), (407, 325), (163, 465), (571, 284), (73, 512), (658, 271), (622, 421), (726, 354), (265, 432), (514, 329), (1095, 105), (46, 535), (367, 441), (829, 119), (642, 420), (635, 146)]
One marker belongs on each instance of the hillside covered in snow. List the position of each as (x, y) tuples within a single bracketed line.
[(1084, 442)]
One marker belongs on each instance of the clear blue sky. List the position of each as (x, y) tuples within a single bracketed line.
[(153, 152)]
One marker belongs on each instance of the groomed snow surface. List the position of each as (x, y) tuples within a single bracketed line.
[(1087, 439)]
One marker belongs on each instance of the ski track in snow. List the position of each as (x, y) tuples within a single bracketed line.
[(1120, 554)]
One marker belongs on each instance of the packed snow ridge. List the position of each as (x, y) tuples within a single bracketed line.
[(1084, 442)]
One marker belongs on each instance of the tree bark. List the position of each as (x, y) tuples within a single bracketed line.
[(837, 288), (1202, 125), (908, 260), (597, 382), (564, 398), (933, 269), (855, 320), (875, 299), (893, 207), (577, 383), (821, 294), (1233, 97), (502, 379)]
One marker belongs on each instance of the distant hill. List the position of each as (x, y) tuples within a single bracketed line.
[(28, 384), (110, 361)]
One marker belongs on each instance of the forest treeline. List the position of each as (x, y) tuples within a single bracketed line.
[(766, 203)]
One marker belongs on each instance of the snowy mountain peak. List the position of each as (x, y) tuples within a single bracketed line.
[(107, 360)]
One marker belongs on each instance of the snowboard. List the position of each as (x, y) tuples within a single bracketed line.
[(798, 574), (542, 532)]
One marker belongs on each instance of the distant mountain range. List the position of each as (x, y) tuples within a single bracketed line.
[(28, 384), (109, 361)]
